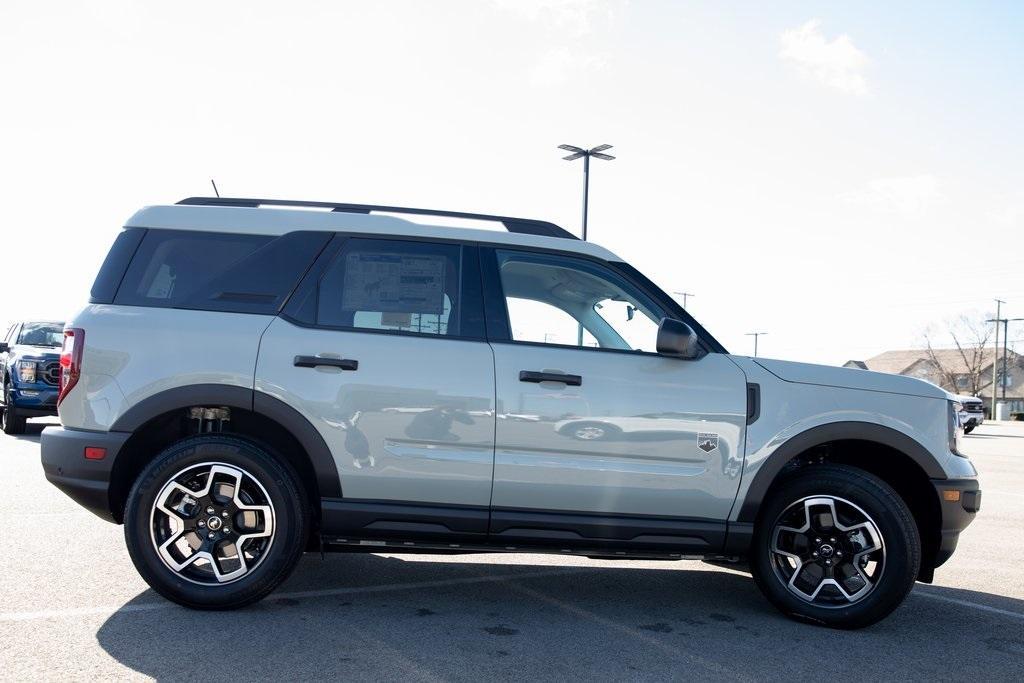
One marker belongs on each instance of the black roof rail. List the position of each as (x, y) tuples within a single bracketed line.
[(523, 226)]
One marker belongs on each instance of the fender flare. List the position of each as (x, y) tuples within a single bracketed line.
[(243, 398), (835, 431)]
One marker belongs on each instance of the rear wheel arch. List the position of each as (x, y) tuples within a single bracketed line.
[(892, 456), (160, 420)]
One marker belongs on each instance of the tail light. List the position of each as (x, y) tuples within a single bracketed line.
[(71, 360)]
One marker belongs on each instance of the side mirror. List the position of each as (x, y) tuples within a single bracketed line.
[(676, 338), (4, 347)]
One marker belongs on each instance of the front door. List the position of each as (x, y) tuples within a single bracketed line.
[(591, 421)]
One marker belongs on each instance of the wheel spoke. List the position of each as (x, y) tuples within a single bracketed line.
[(217, 534), (818, 547)]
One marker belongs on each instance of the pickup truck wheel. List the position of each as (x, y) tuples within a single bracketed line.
[(837, 546), (216, 522), (969, 428), (11, 422)]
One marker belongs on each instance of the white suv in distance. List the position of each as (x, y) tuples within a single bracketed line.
[(256, 378)]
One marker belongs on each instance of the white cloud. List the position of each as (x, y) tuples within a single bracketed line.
[(836, 63), (560, 64), (911, 196), (575, 16)]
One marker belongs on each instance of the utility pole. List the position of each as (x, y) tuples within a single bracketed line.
[(576, 153), (1006, 335), (685, 296), (755, 335), (995, 358)]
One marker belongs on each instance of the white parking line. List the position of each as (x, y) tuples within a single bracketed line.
[(968, 603), (295, 595)]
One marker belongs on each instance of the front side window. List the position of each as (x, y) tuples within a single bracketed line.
[(392, 285), (575, 302)]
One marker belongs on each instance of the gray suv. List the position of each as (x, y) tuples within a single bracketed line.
[(252, 379)]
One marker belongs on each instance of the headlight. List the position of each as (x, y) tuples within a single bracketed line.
[(956, 430), (27, 370)]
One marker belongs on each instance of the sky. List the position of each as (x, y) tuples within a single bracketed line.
[(843, 177)]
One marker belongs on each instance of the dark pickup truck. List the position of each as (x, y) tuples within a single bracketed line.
[(30, 366)]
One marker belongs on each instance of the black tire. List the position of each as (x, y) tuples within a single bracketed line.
[(283, 491), (889, 514), (11, 422), (969, 428)]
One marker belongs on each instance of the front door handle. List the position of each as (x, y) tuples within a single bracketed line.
[(318, 361), (530, 376)]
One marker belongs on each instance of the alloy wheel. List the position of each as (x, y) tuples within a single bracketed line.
[(827, 551), (212, 523)]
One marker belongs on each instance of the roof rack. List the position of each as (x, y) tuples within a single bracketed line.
[(523, 226)]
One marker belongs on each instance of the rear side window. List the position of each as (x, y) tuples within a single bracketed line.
[(393, 285), (217, 271)]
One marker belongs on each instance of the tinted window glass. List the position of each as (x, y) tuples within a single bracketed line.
[(575, 302), (42, 334), (218, 271), (120, 255), (393, 285)]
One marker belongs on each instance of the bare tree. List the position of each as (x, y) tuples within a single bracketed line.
[(970, 340)]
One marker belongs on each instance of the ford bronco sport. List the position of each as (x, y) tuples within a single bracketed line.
[(253, 379)]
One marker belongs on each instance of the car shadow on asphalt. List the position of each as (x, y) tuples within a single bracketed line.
[(371, 616)]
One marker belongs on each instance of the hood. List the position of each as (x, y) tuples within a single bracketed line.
[(850, 378)]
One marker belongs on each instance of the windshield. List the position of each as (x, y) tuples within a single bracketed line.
[(42, 334)]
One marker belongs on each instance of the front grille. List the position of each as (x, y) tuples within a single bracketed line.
[(51, 373), (974, 407)]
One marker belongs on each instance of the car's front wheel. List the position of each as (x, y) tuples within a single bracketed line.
[(837, 546), (216, 522), (10, 420)]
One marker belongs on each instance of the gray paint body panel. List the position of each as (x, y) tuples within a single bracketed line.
[(626, 440), (414, 423)]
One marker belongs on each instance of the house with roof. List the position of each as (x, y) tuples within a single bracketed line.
[(955, 374)]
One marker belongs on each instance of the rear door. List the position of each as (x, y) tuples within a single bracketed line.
[(383, 350)]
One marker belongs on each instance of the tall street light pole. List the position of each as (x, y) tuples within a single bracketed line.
[(995, 358), (574, 154), (755, 335)]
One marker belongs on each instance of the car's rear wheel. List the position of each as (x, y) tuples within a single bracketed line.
[(10, 421), (837, 546), (216, 522)]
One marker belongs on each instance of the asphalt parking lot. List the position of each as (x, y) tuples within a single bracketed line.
[(73, 607)]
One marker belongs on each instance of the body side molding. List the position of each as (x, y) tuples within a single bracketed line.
[(835, 431)]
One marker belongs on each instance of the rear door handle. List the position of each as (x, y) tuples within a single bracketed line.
[(530, 376), (318, 361)]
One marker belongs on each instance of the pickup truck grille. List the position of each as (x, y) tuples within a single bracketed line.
[(974, 407), (51, 373)]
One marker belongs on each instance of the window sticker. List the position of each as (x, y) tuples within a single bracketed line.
[(394, 283)]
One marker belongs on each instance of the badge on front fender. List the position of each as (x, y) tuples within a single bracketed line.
[(707, 441)]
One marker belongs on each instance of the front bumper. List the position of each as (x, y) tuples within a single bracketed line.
[(86, 481), (35, 399), (959, 503)]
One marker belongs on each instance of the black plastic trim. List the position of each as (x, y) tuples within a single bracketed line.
[(836, 431), (240, 397), (87, 482), (538, 377), (753, 402), (358, 518), (525, 226), (317, 361), (585, 529), (956, 514)]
